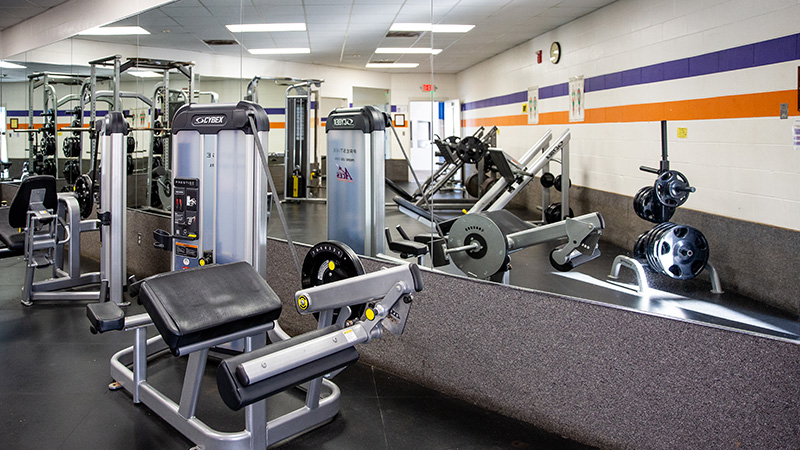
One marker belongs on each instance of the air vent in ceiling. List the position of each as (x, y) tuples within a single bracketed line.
[(404, 34), (382, 61), (221, 42)]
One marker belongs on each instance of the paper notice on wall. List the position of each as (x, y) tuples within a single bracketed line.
[(533, 105), (576, 100), (796, 134)]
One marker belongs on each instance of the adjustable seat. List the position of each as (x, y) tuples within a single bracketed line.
[(13, 218)]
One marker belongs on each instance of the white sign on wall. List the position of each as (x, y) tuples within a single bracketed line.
[(576, 99), (533, 105)]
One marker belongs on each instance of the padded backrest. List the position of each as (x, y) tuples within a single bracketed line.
[(18, 211)]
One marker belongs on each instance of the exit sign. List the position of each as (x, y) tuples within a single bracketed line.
[(428, 88)]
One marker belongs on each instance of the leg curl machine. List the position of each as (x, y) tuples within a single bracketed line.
[(197, 309)]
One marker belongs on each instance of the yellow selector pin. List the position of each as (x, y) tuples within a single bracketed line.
[(331, 265), (370, 313)]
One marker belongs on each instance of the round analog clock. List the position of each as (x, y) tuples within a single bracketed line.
[(555, 52)]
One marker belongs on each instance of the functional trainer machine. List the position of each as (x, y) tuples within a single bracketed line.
[(356, 149), (197, 309)]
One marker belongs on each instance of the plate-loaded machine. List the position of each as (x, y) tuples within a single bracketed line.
[(48, 230), (356, 149), (456, 154), (481, 241)]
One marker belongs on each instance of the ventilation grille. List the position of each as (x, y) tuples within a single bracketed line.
[(404, 34), (221, 42)]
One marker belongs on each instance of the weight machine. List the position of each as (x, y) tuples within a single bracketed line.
[(4, 163), (481, 241), (677, 251), (193, 312), (302, 172), (53, 222), (357, 143)]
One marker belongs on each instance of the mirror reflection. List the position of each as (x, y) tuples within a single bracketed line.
[(486, 160)]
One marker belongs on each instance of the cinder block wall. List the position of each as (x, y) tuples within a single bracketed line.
[(598, 374)]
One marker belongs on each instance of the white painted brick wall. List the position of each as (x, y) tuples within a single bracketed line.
[(743, 168)]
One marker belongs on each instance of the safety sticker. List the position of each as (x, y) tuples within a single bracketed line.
[(349, 335)]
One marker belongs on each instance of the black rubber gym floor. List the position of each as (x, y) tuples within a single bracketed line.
[(54, 394)]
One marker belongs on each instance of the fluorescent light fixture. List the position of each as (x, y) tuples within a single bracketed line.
[(392, 65), (265, 27), (279, 51), (145, 74), (10, 65), (114, 31), (425, 51), (435, 27)]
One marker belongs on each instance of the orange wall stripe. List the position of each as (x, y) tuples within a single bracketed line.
[(765, 104)]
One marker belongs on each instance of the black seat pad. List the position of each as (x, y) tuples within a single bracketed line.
[(11, 237), (207, 302)]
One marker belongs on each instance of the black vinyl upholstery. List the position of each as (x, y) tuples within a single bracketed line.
[(18, 210), (10, 237), (203, 303), (236, 395)]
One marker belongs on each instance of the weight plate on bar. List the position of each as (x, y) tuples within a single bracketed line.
[(472, 185), (547, 180), (83, 193), (672, 188), (678, 251), (487, 260), (471, 150), (646, 207), (331, 261)]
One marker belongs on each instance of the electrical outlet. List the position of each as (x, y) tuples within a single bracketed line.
[(784, 110), (139, 239)]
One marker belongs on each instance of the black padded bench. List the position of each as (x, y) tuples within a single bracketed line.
[(14, 217), (200, 304)]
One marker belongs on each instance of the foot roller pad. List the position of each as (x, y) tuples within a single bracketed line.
[(237, 395), (106, 316)]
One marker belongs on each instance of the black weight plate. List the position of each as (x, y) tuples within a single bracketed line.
[(471, 150), (552, 213), (130, 144), (547, 180), (472, 185), (671, 188), (83, 193), (331, 261), (557, 183), (130, 164)]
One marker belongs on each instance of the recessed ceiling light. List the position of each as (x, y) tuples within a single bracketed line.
[(391, 65), (114, 31), (10, 65), (279, 51), (265, 27), (145, 74), (426, 51), (435, 27)]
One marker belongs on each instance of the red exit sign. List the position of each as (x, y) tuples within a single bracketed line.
[(428, 88)]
